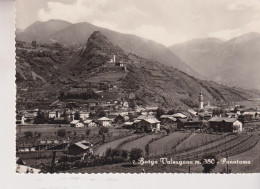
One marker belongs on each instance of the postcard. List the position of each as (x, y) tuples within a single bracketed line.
[(109, 86)]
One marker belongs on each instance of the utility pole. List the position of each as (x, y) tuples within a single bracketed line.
[(227, 163), (53, 161)]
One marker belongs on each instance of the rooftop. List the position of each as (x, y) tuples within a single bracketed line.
[(220, 119)]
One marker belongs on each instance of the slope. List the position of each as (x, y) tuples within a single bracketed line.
[(79, 33), (151, 82), (234, 62), (192, 50)]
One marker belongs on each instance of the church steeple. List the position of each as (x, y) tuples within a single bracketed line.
[(200, 101)]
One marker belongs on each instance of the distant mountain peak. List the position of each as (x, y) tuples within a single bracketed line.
[(57, 20), (245, 38), (198, 41), (98, 50), (78, 33), (97, 36)]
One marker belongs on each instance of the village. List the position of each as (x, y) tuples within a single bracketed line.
[(69, 128)]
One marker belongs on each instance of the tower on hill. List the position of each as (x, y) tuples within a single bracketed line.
[(201, 101)]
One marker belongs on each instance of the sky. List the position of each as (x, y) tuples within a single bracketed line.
[(164, 21)]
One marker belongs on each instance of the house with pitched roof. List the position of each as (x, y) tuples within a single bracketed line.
[(179, 115), (168, 120), (225, 124), (89, 123), (148, 125), (188, 123), (104, 121), (76, 123), (82, 147)]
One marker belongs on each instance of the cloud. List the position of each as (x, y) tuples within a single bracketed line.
[(110, 25), (71, 12), (253, 26), (244, 4), (167, 22), (158, 33)]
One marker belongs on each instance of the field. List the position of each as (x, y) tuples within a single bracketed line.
[(252, 155), (166, 144), (50, 130), (176, 145), (109, 76), (196, 139), (139, 143), (102, 149), (250, 103)]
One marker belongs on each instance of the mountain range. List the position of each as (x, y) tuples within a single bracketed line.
[(78, 34), (234, 62), (46, 71)]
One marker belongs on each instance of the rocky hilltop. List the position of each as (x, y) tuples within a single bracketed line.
[(90, 72)]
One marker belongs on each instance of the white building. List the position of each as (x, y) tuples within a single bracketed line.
[(84, 115), (89, 123), (104, 121), (76, 123), (201, 101)]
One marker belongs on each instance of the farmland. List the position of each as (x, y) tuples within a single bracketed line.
[(166, 144), (102, 149), (50, 130), (196, 139), (252, 155), (177, 145), (140, 142)]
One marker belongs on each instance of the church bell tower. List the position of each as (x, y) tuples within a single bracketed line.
[(201, 101)]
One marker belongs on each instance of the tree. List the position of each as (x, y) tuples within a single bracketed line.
[(77, 116), (40, 118), (116, 153), (88, 132), (103, 138), (61, 132), (160, 112), (100, 112), (132, 104), (135, 154), (208, 162), (168, 131), (28, 134), (171, 112), (61, 96), (103, 130), (39, 134)]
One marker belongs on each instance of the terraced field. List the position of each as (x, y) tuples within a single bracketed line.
[(102, 149), (230, 145), (197, 139), (244, 146), (226, 147), (166, 144), (252, 155), (139, 143)]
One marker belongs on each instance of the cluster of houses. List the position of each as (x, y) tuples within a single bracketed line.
[(83, 147), (145, 119)]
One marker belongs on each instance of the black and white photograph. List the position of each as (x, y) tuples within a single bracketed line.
[(137, 86)]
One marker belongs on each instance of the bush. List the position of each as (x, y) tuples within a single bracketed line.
[(88, 132), (103, 130), (61, 132), (135, 154), (28, 134), (115, 153)]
